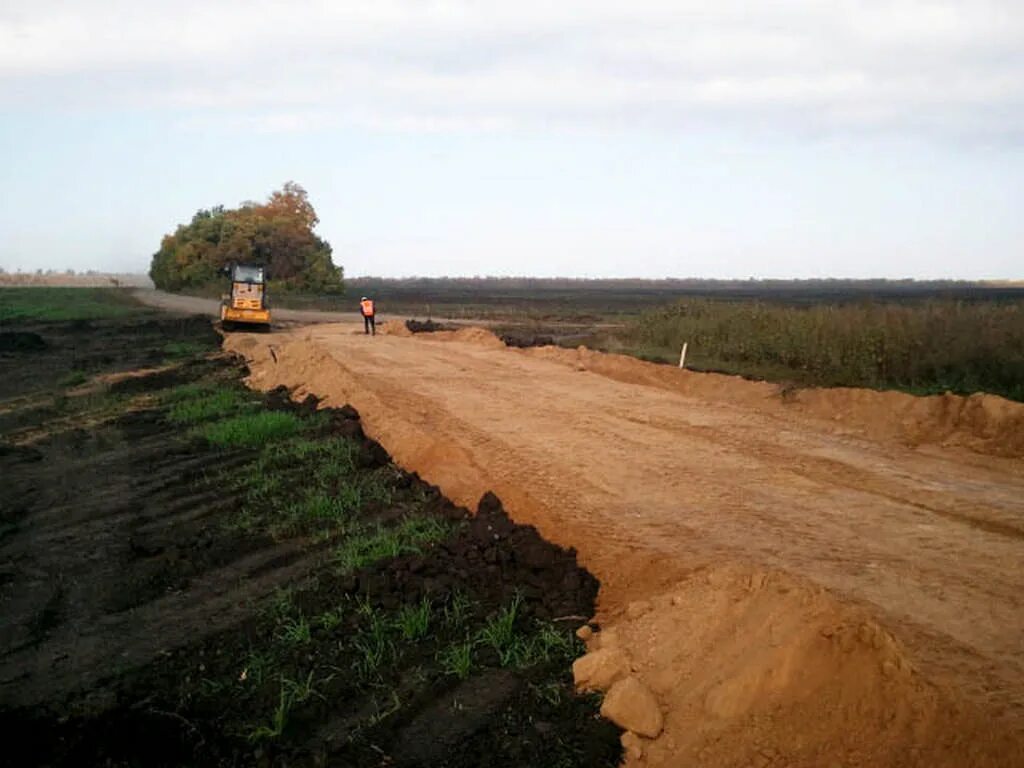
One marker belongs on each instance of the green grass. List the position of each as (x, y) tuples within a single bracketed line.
[(413, 621), (321, 511), (251, 430), (319, 507), (179, 350), (331, 458), (500, 633), (292, 692), (282, 602), (377, 543), (73, 379), (457, 610), (277, 722), (53, 304), (318, 478), (457, 660), (549, 643), (205, 405), (185, 392), (328, 620), (516, 648), (256, 669), (295, 631), (372, 644)]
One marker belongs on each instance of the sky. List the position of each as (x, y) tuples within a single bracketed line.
[(606, 138)]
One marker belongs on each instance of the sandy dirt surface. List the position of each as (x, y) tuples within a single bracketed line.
[(817, 578)]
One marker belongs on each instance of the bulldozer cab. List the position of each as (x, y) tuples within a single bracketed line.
[(246, 302), (250, 274)]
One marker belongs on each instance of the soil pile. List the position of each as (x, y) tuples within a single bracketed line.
[(497, 560), (527, 339), (427, 326), (472, 335), (984, 423), (751, 663), (394, 328)]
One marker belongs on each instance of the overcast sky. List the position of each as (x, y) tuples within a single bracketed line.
[(798, 138)]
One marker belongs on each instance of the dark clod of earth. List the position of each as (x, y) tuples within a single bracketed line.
[(194, 574), (427, 326), (511, 338), (526, 339)]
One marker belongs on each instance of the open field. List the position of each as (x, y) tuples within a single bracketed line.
[(91, 279), (918, 346), (194, 574), (827, 576), (567, 300), (63, 303)]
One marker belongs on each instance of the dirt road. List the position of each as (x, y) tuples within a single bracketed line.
[(919, 550), (173, 302)]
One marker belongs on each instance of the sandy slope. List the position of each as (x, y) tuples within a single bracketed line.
[(795, 589)]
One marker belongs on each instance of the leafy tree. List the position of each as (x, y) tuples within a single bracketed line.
[(277, 233)]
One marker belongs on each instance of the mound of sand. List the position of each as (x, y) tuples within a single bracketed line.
[(745, 662), (393, 328), (984, 423), (472, 335)]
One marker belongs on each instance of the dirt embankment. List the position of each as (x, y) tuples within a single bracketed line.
[(791, 588), (984, 423), (752, 667)]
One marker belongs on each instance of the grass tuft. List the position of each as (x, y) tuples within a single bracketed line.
[(206, 405), (180, 350), (251, 430), (372, 644), (500, 633), (407, 538), (295, 631), (292, 692), (328, 620), (457, 610), (413, 621), (457, 660), (73, 379)]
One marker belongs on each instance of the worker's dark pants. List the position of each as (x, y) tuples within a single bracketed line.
[(369, 325)]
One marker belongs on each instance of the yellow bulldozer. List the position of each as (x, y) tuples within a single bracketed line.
[(246, 304)]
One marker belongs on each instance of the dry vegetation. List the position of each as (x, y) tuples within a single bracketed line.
[(930, 345)]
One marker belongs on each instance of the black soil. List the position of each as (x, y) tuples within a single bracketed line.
[(154, 614), (428, 326)]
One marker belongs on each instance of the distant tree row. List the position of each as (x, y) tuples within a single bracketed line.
[(277, 234)]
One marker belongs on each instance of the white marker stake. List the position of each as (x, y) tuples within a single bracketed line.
[(682, 357)]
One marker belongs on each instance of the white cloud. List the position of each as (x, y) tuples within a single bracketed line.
[(955, 67)]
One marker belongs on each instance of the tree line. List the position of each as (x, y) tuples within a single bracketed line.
[(277, 233)]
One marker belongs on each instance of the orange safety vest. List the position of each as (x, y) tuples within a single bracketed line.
[(367, 307)]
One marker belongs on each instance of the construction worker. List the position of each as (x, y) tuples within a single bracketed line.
[(366, 307)]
